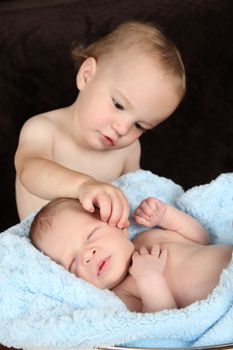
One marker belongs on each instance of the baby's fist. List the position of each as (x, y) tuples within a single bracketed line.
[(150, 212)]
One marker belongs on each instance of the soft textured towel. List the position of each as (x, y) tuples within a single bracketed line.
[(42, 305)]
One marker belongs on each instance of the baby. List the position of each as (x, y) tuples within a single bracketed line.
[(129, 81), (169, 266)]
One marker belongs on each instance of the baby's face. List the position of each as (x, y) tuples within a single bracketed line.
[(88, 247), (123, 97)]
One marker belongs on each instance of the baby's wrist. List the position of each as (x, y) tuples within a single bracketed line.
[(162, 212), (148, 276), (144, 281)]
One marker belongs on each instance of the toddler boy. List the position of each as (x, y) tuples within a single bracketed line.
[(129, 81)]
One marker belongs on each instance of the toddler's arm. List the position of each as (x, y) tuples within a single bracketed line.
[(45, 178), (147, 269), (152, 212)]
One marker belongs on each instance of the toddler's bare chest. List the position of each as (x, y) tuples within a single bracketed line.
[(103, 166)]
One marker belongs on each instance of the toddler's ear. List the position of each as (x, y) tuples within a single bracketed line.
[(86, 72)]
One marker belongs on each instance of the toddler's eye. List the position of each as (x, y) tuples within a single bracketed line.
[(117, 105), (140, 127)]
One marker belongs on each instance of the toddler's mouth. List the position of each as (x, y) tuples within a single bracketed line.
[(107, 140)]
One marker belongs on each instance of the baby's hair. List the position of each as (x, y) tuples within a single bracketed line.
[(43, 220), (145, 38)]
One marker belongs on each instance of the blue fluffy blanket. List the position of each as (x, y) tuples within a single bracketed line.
[(42, 305)]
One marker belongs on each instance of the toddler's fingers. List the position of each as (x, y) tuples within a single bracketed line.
[(116, 210), (87, 203), (120, 210), (124, 219), (105, 206), (127, 224)]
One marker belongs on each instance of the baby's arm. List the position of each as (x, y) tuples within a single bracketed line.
[(147, 269), (47, 179), (152, 212)]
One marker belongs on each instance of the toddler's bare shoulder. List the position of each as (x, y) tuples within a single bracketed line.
[(44, 122)]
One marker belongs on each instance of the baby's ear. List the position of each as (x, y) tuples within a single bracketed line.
[(86, 72)]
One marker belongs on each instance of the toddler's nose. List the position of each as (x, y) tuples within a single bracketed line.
[(121, 127), (88, 255)]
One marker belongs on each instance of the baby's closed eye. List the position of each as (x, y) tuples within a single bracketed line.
[(72, 265), (90, 235)]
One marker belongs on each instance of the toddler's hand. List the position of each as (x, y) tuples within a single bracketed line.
[(150, 212), (146, 264), (110, 200)]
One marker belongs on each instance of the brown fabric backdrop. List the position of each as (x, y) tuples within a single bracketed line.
[(36, 74)]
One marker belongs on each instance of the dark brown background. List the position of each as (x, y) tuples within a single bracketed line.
[(36, 74)]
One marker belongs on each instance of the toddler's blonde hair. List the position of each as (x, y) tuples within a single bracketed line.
[(146, 39)]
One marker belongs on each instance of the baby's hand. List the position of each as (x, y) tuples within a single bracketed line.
[(110, 200), (150, 212), (145, 265)]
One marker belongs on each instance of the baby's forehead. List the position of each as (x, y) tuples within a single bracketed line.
[(80, 212)]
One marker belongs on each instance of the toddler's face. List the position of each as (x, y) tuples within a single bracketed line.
[(123, 97), (88, 247)]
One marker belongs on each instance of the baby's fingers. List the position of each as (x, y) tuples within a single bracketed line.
[(155, 250), (143, 251), (146, 207), (159, 253), (143, 214), (163, 255), (141, 220), (135, 255)]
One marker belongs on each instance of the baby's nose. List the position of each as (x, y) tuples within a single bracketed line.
[(88, 256)]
